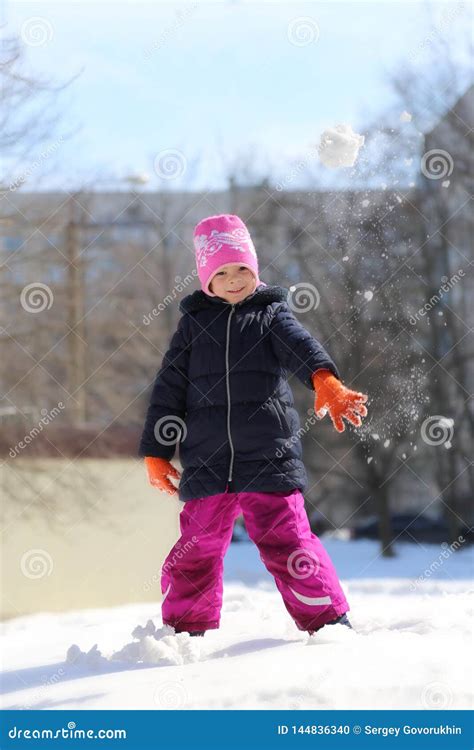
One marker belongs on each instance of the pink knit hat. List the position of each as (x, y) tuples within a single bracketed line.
[(219, 240)]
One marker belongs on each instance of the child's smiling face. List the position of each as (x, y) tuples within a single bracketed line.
[(233, 282)]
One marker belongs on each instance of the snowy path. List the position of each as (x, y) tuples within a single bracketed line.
[(412, 648)]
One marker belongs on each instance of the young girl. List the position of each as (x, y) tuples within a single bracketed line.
[(222, 394)]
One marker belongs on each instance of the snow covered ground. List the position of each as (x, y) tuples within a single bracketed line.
[(412, 647)]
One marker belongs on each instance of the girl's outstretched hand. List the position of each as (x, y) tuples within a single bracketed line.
[(159, 470), (333, 396)]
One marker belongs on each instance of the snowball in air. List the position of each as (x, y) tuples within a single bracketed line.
[(447, 422), (368, 295), (405, 116), (339, 146)]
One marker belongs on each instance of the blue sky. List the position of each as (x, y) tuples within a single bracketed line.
[(222, 79)]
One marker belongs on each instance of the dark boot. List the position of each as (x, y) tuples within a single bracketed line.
[(191, 632), (342, 620)]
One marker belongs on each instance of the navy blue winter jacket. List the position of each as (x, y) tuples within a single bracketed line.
[(223, 396)]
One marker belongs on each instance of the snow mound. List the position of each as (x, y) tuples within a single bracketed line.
[(412, 620), (152, 646), (339, 146)]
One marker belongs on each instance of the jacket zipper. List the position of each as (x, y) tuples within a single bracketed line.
[(229, 478)]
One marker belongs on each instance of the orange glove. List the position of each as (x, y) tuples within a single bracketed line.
[(333, 396), (159, 470)]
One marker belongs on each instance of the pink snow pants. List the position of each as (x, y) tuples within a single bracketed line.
[(192, 574)]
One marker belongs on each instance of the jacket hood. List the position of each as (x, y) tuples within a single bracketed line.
[(263, 295)]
